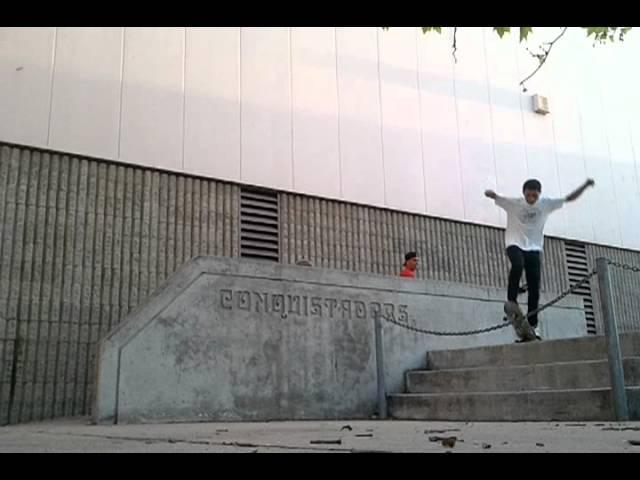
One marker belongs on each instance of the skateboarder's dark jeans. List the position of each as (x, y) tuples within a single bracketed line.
[(530, 263)]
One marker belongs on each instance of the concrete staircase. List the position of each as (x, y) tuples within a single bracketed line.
[(558, 380)]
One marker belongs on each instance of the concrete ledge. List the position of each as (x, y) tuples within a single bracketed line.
[(558, 405), (229, 340), (556, 350), (547, 376)]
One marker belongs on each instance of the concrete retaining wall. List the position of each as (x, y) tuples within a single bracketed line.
[(229, 340)]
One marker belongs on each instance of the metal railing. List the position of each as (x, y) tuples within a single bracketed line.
[(614, 351)]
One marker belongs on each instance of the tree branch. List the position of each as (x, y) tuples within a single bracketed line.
[(542, 57), (455, 46)]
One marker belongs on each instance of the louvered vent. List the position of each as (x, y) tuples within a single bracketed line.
[(578, 268), (259, 225)]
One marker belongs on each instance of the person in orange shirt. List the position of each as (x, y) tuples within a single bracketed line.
[(410, 265)]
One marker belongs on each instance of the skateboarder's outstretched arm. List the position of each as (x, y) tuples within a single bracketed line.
[(580, 190), (503, 202), (490, 194)]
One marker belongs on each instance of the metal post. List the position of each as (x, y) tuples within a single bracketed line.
[(382, 389), (613, 341)]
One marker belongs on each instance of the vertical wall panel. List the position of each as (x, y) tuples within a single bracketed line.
[(475, 127), (26, 65), (86, 78), (401, 130), (153, 97), (359, 106), (618, 113), (266, 107), (212, 102), (316, 148), (439, 125)]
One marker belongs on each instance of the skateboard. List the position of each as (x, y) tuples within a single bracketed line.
[(520, 323)]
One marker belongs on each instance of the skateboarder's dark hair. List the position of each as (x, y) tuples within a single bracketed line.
[(532, 184)]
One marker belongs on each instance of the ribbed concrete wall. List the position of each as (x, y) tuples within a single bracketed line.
[(83, 241), (360, 238), (626, 287)]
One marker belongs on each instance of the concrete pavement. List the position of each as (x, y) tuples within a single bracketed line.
[(77, 435)]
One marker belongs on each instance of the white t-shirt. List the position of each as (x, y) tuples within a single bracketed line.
[(525, 223)]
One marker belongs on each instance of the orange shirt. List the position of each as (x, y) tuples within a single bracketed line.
[(408, 273)]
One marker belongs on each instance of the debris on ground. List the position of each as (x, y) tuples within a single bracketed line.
[(244, 445), (486, 446), (448, 442), (621, 429), (538, 444), (635, 443), (240, 444), (427, 432), (363, 435), (326, 442), (346, 427)]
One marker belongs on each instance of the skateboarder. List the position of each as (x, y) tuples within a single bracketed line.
[(524, 238)]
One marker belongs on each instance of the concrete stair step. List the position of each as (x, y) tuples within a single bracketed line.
[(591, 374), (549, 405), (550, 351)]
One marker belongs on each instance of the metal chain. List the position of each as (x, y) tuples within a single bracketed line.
[(625, 266), (446, 333), (566, 293), (504, 324)]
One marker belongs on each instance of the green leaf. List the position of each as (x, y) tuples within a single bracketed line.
[(597, 32), (524, 32), (501, 30), (428, 29)]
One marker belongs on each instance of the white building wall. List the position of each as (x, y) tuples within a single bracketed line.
[(358, 114)]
